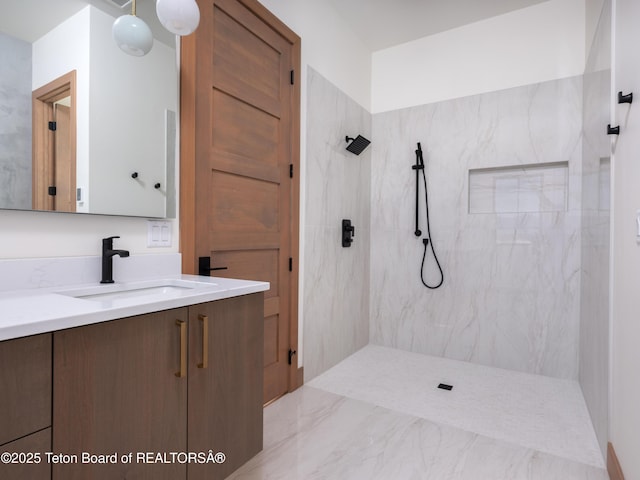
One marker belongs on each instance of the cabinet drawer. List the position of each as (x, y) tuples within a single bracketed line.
[(25, 383), (36, 443)]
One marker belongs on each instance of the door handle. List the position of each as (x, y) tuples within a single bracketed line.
[(183, 348), (204, 267), (205, 341)]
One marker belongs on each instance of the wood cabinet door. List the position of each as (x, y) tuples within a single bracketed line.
[(25, 386), (116, 391), (36, 466), (225, 382)]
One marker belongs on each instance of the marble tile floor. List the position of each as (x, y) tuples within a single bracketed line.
[(379, 415)]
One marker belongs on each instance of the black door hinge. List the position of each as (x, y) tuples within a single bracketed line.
[(290, 264), (291, 354), (52, 191), (292, 77), (53, 126), (291, 170)]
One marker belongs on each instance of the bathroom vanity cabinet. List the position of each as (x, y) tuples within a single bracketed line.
[(25, 413), (159, 386), (133, 397), (115, 391)]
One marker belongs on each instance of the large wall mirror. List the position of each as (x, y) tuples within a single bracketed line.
[(112, 148)]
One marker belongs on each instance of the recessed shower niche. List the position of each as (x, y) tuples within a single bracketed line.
[(519, 189)]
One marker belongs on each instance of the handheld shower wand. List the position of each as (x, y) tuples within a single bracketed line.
[(428, 241)]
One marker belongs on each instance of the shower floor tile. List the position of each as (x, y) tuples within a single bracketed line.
[(315, 434), (539, 413)]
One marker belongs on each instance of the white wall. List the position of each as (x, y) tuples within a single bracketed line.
[(536, 44), (329, 46), (593, 8), (135, 91), (625, 382), (46, 234)]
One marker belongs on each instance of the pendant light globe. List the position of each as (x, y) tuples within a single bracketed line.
[(132, 35), (180, 17)]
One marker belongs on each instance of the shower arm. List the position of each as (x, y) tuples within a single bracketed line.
[(417, 167)]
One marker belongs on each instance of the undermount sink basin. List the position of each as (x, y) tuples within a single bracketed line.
[(134, 289), (131, 293)]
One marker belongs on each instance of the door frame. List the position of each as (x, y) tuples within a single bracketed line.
[(43, 156), (189, 247)]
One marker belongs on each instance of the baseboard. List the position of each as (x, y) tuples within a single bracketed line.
[(613, 466), (300, 381)]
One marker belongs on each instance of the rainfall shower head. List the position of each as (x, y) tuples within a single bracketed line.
[(357, 144)]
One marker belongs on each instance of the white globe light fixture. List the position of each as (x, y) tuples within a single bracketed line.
[(132, 35), (180, 17)]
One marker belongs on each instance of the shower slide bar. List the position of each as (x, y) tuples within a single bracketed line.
[(417, 167)]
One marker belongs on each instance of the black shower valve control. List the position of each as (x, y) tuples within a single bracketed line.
[(348, 232)]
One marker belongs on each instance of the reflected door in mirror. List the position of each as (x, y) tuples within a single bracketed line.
[(54, 145)]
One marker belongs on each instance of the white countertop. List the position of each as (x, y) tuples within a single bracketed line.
[(41, 310)]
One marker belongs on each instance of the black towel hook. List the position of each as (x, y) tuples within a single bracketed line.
[(625, 98)]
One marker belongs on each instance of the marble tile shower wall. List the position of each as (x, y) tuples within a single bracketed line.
[(336, 279), (15, 123), (511, 294), (594, 295)]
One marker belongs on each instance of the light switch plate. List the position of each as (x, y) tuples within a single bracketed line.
[(158, 233)]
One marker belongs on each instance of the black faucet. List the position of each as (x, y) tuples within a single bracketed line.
[(107, 259)]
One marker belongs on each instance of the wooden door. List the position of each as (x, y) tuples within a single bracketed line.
[(64, 161), (46, 170), (225, 383), (240, 143), (115, 389)]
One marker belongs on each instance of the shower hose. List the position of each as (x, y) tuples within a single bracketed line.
[(427, 242)]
